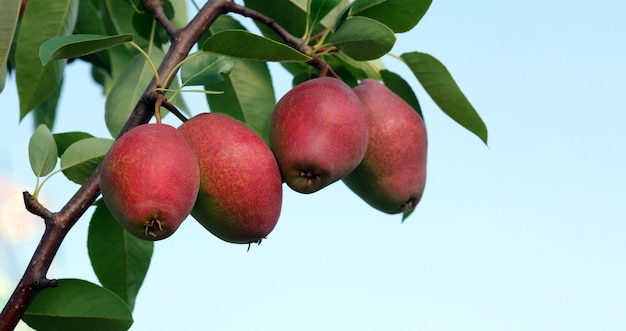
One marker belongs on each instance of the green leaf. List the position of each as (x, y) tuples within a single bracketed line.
[(127, 90), (119, 57), (78, 45), (442, 88), (42, 20), (82, 158), (180, 13), (407, 213), (143, 24), (245, 45), (318, 9), (3, 77), (65, 139), (358, 69), (400, 87), (303, 77), (205, 69), (9, 12), (288, 14), (363, 38), (78, 305), (90, 21), (399, 15), (248, 95), (42, 151), (119, 259), (121, 17), (46, 112)]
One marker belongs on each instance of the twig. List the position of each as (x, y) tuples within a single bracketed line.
[(155, 8), (290, 39), (169, 106)]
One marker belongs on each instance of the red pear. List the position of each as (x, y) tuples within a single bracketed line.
[(318, 132), (240, 195), (150, 180), (392, 175)]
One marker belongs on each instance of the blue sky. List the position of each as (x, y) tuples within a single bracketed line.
[(526, 234)]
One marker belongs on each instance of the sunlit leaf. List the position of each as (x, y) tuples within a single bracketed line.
[(399, 15), (248, 95), (206, 69), (82, 158), (320, 8), (9, 11), (400, 87), (42, 151), (119, 259), (289, 15), (65, 139), (442, 88), (42, 20), (78, 305), (78, 45), (245, 45), (363, 38)]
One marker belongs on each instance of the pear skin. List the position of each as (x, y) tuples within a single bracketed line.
[(318, 132), (240, 196), (150, 180), (392, 175)]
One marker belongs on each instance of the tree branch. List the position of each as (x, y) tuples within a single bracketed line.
[(58, 224), (155, 8), (290, 39)]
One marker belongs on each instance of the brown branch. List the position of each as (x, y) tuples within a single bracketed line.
[(58, 224), (36, 208), (155, 8), (169, 106), (290, 39)]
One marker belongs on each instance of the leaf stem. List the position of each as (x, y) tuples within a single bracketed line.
[(170, 75), (145, 55), (397, 57)]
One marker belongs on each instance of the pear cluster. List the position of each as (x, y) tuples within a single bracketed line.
[(213, 167), (225, 176), (322, 131)]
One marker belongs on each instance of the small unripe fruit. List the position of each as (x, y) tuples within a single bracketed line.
[(318, 132), (150, 180)]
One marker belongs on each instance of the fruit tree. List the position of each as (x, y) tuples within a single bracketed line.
[(347, 118)]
